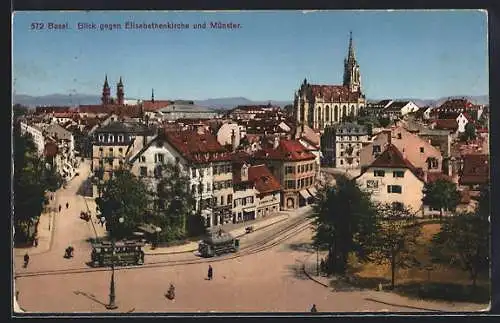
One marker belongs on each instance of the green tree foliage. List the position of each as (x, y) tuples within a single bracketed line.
[(469, 133), (174, 202), (441, 194), (463, 242), (123, 196), (345, 222), (29, 186), (396, 240), (384, 122)]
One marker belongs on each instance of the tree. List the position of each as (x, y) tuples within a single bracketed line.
[(123, 196), (384, 122), (469, 133), (396, 240), (29, 187), (441, 194), (463, 242), (174, 202), (345, 221)]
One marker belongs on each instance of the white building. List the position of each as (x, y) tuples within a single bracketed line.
[(36, 133), (393, 179), (462, 121), (229, 134), (342, 144), (398, 109), (268, 190), (244, 201)]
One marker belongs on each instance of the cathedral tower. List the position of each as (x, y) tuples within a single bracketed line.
[(106, 92), (351, 69), (119, 92)]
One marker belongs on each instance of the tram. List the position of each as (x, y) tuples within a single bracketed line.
[(218, 244), (121, 253)]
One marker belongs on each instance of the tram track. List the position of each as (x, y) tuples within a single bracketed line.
[(283, 234)]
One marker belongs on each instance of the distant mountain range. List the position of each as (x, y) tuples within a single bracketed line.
[(215, 103)]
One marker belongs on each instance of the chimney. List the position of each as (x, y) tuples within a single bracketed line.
[(276, 142)]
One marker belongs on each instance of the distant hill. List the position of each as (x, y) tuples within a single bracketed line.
[(77, 99), (478, 99), (215, 103)]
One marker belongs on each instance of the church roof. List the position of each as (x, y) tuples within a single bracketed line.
[(332, 93)]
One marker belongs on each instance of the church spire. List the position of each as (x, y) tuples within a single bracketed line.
[(153, 95), (106, 91), (350, 55)]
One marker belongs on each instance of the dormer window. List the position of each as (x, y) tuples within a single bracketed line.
[(421, 149), (400, 136)]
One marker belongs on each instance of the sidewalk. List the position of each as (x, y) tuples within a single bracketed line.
[(238, 231)]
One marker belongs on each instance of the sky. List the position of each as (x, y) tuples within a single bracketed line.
[(401, 54)]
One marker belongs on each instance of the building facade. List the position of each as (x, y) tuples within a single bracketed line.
[(342, 144)]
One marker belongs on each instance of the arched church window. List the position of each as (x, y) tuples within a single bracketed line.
[(344, 111), (327, 113), (336, 113)]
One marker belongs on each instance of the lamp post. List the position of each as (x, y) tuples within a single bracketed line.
[(158, 230), (112, 296)]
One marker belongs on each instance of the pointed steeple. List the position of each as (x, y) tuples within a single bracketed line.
[(350, 54), (106, 85), (120, 83), (106, 91), (119, 92), (153, 95)]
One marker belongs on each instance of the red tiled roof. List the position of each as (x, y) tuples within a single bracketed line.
[(50, 149), (432, 177), (239, 157), (263, 180), (150, 106), (456, 104), (476, 170), (197, 147), (288, 150), (393, 158), (468, 117), (333, 92), (95, 108), (446, 124), (52, 109)]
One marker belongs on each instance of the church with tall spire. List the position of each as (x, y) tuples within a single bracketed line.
[(319, 105)]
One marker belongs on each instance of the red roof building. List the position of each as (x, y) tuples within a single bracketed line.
[(446, 124), (263, 179), (287, 150), (475, 171)]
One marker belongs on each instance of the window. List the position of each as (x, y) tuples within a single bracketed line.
[(193, 172), (159, 158), (144, 171), (341, 162), (398, 173), (399, 136), (111, 150), (288, 170), (341, 145), (143, 159), (229, 198), (193, 189), (432, 163), (222, 200), (120, 150), (378, 173), (394, 189), (376, 149), (290, 184), (421, 149), (371, 184), (110, 162)]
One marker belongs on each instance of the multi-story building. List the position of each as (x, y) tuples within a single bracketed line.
[(392, 179), (115, 143), (204, 161), (65, 161), (322, 105), (397, 109), (268, 195), (294, 166), (244, 202), (342, 144), (419, 152), (36, 134)]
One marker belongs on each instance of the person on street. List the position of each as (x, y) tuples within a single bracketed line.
[(210, 272), (171, 292), (60, 207), (314, 309), (35, 242), (67, 205), (26, 260)]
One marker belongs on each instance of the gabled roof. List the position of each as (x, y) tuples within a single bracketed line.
[(263, 179), (287, 150), (396, 105), (124, 127), (446, 124), (476, 170), (150, 106), (332, 93), (393, 158)]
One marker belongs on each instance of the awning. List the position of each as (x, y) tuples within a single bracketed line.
[(312, 191), (248, 209), (305, 194)]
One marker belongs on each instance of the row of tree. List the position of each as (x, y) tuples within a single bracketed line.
[(348, 222), (33, 177), (168, 205)]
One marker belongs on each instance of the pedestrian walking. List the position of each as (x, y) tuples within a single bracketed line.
[(35, 242), (314, 309), (60, 207), (210, 272), (26, 260), (67, 205)]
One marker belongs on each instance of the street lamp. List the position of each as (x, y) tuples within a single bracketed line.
[(112, 305), (158, 230)]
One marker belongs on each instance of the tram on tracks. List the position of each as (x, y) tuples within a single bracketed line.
[(119, 253), (218, 244)]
